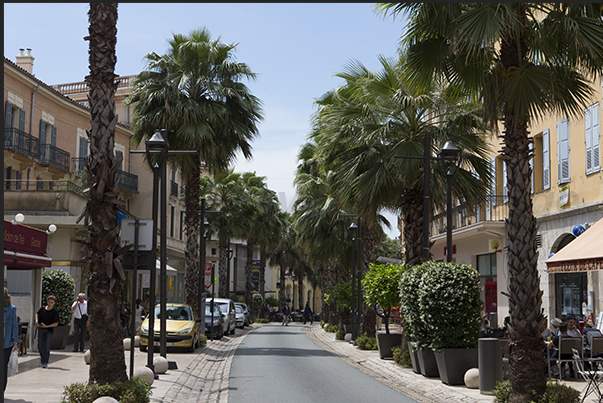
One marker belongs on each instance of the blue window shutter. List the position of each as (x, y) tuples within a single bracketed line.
[(8, 117), (563, 150), (546, 160), (42, 132), (22, 119)]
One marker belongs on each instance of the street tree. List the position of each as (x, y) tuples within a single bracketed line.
[(196, 92), (103, 252), (524, 61)]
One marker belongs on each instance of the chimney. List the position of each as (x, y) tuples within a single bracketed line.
[(25, 61)]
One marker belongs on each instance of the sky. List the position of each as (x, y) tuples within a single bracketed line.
[(294, 48)]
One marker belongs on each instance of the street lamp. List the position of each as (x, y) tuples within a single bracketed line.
[(156, 145), (449, 161), (353, 231), (230, 253)]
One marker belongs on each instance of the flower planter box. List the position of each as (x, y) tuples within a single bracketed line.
[(414, 359), (385, 343), (428, 364), (454, 362)]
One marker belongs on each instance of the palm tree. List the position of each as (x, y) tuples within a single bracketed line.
[(103, 253), (195, 92), (362, 125), (524, 60)]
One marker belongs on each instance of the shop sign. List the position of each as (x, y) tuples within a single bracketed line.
[(24, 239)]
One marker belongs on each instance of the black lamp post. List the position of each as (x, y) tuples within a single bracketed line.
[(155, 145), (353, 231), (449, 161), (230, 253)]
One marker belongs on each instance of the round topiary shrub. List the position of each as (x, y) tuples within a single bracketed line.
[(60, 284)]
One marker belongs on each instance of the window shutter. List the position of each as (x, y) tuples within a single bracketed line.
[(117, 155), (22, 119), (8, 117), (546, 161), (531, 161), (83, 147), (53, 136), (42, 132), (596, 138), (563, 150), (492, 196), (588, 118)]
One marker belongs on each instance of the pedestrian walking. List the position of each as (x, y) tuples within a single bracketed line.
[(286, 313), (47, 318), (80, 321), (139, 312), (307, 314), (11, 332)]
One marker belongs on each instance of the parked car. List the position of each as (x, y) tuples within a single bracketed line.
[(240, 315), (217, 330), (228, 312), (182, 325), (246, 315)]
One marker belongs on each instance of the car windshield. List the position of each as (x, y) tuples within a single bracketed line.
[(239, 309), (174, 312), (223, 307), (216, 310)]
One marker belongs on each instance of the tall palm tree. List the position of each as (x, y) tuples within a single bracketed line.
[(362, 125), (524, 60), (103, 253), (196, 93)]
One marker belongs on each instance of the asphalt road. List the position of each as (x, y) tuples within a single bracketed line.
[(278, 364)]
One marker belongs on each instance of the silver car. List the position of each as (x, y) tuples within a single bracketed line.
[(228, 313), (246, 320)]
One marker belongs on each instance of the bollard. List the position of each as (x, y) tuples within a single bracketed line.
[(490, 364)]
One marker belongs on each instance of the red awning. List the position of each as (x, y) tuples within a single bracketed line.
[(25, 261), (585, 253)]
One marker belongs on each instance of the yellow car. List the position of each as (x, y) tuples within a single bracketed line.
[(183, 327)]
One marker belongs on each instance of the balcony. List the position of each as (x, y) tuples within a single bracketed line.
[(54, 156), (45, 185), (21, 142), (496, 209), (127, 182)]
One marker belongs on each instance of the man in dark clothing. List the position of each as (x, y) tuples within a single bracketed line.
[(286, 313), (307, 314)]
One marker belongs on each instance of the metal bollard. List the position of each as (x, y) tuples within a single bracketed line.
[(490, 364)]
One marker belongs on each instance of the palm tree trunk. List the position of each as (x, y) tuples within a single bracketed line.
[(263, 272), (412, 217), (248, 268), (324, 284), (191, 277), (223, 270), (332, 280), (527, 359), (281, 289), (300, 291), (103, 252)]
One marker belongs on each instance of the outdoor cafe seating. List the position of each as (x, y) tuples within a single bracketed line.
[(592, 377), (564, 353)]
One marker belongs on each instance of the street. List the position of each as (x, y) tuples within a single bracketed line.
[(275, 364)]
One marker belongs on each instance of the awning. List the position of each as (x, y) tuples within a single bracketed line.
[(585, 253), (169, 270), (25, 261)]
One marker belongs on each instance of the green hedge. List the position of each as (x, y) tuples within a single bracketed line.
[(60, 284), (135, 390)]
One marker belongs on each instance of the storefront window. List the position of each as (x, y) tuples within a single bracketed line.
[(486, 266), (571, 293)]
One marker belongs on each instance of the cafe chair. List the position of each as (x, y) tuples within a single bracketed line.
[(593, 378), (596, 347), (565, 353)]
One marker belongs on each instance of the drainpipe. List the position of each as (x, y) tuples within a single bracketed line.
[(33, 98)]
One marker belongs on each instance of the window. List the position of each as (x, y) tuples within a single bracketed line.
[(181, 225), (9, 171), (546, 160), (118, 155), (563, 150), (591, 122), (505, 187), (172, 221), (486, 266), (8, 117), (82, 154)]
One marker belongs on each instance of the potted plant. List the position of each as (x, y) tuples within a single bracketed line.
[(381, 290), (449, 300), (60, 284), (416, 336)]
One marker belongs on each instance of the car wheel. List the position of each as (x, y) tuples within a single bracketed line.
[(233, 329), (191, 349)]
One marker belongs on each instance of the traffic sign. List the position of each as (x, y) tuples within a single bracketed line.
[(208, 279)]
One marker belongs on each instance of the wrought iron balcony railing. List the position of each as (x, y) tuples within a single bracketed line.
[(496, 208), (127, 181), (21, 142), (34, 185), (53, 155)]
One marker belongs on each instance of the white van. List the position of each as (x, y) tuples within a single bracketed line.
[(228, 312)]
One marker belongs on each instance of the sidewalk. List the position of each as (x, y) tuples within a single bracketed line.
[(416, 386), (203, 376)]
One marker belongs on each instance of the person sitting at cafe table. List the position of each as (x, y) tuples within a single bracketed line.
[(555, 344), (551, 330), (572, 330)]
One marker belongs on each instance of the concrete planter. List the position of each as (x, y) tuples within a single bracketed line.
[(414, 359), (428, 364), (454, 362), (60, 335), (386, 342)]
